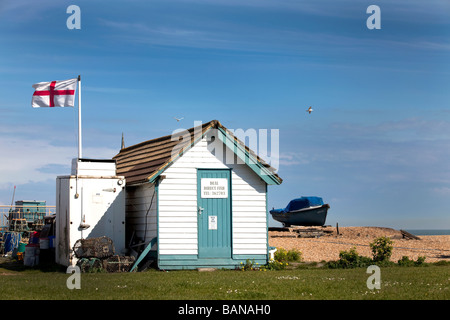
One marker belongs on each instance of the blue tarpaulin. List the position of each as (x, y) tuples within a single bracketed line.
[(300, 203), (12, 240)]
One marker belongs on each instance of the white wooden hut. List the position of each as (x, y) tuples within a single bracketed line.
[(197, 199)]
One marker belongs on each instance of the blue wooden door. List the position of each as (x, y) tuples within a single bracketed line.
[(214, 213)]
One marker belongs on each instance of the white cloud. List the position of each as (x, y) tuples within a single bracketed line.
[(28, 11), (34, 160), (443, 191), (111, 90), (293, 158)]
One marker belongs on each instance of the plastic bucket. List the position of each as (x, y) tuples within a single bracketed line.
[(22, 246), (31, 255), (30, 250), (44, 243)]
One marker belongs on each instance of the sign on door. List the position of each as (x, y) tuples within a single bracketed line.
[(214, 188), (212, 222)]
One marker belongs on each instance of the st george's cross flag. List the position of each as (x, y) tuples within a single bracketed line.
[(54, 93)]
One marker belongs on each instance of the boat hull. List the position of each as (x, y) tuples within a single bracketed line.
[(308, 217)]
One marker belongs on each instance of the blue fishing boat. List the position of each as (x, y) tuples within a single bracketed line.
[(304, 211)]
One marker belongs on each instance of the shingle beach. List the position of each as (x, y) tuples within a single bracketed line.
[(328, 246)]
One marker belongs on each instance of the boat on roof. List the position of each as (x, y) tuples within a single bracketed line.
[(303, 211)]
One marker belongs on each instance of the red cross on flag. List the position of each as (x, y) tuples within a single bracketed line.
[(54, 94)]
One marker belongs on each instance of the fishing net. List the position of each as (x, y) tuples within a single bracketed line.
[(102, 247)]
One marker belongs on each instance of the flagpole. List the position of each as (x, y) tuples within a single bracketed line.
[(79, 118)]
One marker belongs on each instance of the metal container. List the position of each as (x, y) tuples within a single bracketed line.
[(90, 204)]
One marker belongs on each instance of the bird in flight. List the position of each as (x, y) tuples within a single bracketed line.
[(178, 119), (309, 110)]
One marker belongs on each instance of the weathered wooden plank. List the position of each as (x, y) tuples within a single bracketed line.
[(409, 236)]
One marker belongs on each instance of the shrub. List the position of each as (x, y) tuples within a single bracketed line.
[(281, 259), (420, 261), (352, 259), (349, 259), (442, 263), (382, 249), (406, 262), (282, 255), (275, 265), (294, 255), (248, 265)]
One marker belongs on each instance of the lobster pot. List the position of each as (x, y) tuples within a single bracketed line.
[(118, 263), (112, 264), (102, 247), (90, 203), (90, 264)]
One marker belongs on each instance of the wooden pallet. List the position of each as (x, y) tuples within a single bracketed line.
[(296, 232), (309, 233)]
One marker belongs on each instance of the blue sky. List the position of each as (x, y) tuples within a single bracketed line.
[(376, 147)]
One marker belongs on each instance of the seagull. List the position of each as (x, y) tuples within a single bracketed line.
[(309, 110), (178, 119)]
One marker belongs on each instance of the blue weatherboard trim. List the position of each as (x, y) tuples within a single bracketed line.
[(178, 262), (194, 257)]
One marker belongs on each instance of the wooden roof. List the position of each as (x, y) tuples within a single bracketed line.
[(142, 161)]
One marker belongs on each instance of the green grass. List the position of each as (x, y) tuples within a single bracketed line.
[(397, 283)]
